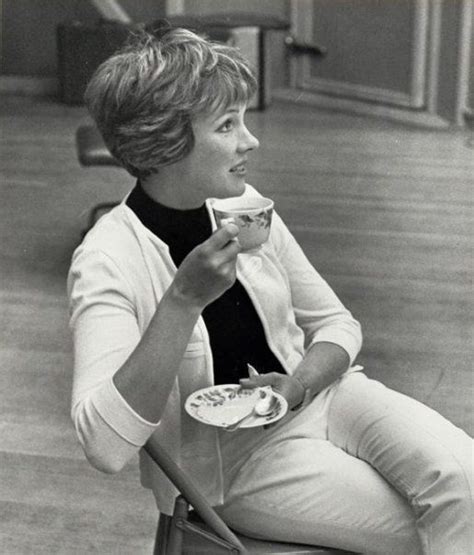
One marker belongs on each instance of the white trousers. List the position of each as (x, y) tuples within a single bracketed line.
[(362, 468)]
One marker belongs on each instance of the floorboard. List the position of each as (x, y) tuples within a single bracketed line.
[(383, 211)]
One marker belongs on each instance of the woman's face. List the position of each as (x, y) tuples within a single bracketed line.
[(217, 164)]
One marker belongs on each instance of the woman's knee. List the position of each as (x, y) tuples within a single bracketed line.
[(448, 485)]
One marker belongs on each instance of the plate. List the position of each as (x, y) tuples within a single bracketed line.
[(222, 405)]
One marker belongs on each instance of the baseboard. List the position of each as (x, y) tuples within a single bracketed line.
[(417, 118), (469, 116), (28, 86)]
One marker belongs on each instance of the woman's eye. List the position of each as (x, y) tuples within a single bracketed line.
[(226, 126)]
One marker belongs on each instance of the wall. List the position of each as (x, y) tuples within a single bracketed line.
[(470, 97), (270, 7), (448, 59), (279, 68), (29, 30), (455, 75), (369, 45)]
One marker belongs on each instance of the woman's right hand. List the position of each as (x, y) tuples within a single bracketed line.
[(209, 269)]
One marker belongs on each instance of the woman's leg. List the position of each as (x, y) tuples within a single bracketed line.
[(424, 456), (306, 490)]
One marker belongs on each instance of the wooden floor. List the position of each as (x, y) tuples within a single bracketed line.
[(383, 211)]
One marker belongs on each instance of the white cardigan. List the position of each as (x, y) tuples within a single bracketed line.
[(117, 278)]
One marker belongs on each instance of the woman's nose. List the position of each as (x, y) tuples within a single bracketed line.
[(248, 141)]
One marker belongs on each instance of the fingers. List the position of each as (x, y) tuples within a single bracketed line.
[(230, 250), (222, 248), (220, 238), (281, 383), (210, 268), (273, 378)]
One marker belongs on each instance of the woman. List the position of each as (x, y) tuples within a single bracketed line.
[(163, 304)]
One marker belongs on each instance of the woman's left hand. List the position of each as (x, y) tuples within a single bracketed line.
[(287, 386)]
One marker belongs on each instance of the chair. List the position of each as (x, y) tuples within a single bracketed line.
[(91, 151), (201, 531)]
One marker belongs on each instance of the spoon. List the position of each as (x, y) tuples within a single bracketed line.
[(263, 407), (252, 371)]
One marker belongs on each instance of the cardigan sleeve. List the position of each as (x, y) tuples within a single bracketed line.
[(318, 310), (105, 332)]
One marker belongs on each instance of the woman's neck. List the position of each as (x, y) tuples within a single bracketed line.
[(170, 193)]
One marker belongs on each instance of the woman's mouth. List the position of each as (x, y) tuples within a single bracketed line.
[(240, 169)]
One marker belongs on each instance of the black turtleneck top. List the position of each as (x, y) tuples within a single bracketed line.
[(235, 330)]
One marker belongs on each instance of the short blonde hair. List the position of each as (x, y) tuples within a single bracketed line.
[(143, 98)]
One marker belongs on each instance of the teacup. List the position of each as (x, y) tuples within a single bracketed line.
[(253, 215)]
